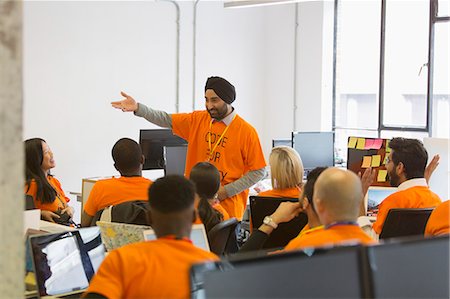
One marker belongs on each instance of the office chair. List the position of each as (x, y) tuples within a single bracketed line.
[(261, 207), (405, 222), (131, 212), (29, 203), (222, 237)]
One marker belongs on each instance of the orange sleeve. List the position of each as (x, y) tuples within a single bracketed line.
[(253, 155), (108, 280), (383, 210), (439, 221), (181, 124), (91, 205)]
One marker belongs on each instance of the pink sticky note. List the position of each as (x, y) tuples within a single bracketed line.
[(369, 144), (377, 143)]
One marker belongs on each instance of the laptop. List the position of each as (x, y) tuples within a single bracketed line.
[(374, 196), (115, 234), (198, 236), (65, 262)]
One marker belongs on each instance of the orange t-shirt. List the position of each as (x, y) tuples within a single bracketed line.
[(287, 193), (412, 198), (60, 201), (114, 191), (335, 235), (152, 269), (439, 221), (238, 152), (217, 207)]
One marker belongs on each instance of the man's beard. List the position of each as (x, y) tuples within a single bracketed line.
[(394, 179), (218, 115)]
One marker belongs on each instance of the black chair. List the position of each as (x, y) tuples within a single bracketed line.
[(29, 203), (131, 212), (405, 222), (261, 207), (222, 237)]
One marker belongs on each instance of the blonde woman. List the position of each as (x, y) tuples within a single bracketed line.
[(286, 169)]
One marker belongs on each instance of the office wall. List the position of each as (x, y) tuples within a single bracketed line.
[(78, 56)]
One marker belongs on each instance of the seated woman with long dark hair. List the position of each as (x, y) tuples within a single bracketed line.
[(206, 178), (45, 189)]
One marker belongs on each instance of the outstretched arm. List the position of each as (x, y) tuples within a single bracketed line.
[(128, 104), (245, 182)]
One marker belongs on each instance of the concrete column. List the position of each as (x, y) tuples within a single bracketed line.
[(11, 151)]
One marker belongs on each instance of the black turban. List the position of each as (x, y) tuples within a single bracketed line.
[(224, 89)]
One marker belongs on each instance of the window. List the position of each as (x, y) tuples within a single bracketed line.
[(383, 72)]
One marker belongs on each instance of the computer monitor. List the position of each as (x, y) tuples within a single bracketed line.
[(198, 236), (175, 159), (417, 268), (337, 273), (315, 148), (280, 142), (152, 143)]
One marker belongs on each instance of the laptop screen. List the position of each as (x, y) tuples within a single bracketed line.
[(375, 195), (198, 236), (66, 262)]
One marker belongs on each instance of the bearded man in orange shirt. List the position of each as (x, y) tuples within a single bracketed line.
[(217, 135)]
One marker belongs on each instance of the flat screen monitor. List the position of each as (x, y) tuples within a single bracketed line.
[(175, 159), (280, 142), (410, 269), (152, 144), (338, 273), (315, 148)]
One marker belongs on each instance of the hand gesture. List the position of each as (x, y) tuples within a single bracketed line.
[(286, 211), (126, 105), (367, 178), (431, 167), (49, 216), (68, 210)]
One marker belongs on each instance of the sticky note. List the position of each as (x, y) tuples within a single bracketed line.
[(388, 149), (377, 143), (361, 143), (385, 159), (352, 142), (382, 173), (376, 160), (366, 162), (369, 144)]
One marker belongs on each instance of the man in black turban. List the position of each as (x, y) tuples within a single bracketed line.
[(218, 135), (219, 94)]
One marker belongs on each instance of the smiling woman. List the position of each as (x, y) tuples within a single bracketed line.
[(40, 184)]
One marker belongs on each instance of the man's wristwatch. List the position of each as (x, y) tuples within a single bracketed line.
[(269, 221)]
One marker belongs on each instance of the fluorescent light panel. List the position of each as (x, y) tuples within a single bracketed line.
[(254, 3)]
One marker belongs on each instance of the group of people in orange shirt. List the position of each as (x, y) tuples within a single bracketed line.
[(224, 159)]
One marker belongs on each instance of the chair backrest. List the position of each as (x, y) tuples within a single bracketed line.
[(29, 202), (261, 207), (405, 222), (131, 212), (222, 237)]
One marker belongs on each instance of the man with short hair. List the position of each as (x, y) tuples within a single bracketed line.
[(130, 186), (159, 268), (217, 135), (337, 199), (406, 170)]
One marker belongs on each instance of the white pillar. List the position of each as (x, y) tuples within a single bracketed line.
[(11, 151)]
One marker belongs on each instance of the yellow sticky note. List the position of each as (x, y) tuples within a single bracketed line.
[(376, 160), (385, 159), (366, 162), (388, 149), (361, 143), (352, 142), (382, 173)]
